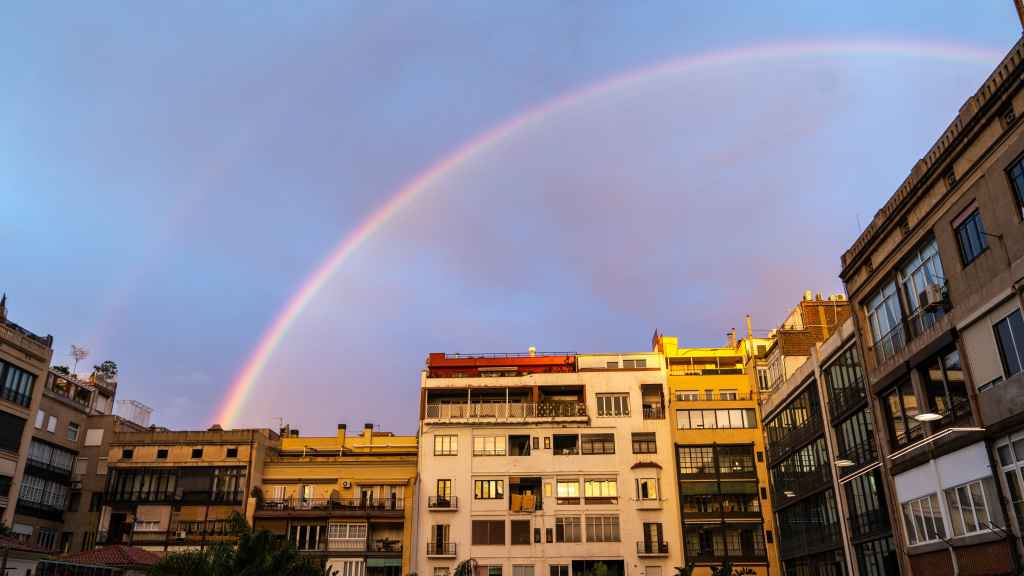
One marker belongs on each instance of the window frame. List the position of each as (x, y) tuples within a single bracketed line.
[(448, 444), (489, 489), (613, 405), (963, 227), (957, 511), (914, 523), (1017, 349), (647, 442)]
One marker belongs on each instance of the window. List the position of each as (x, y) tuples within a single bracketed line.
[(687, 395), (197, 453), (762, 378), (696, 460), (446, 445), (520, 530), (567, 529), (598, 444), (967, 508), (346, 536), (884, 318), (443, 490), (844, 380), (73, 430), (735, 460), (101, 466), (40, 419), (728, 395), (46, 537), (161, 454), (855, 438), (638, 363), (645, 443), (1016, 173), (127, 453), (945, 389), (568, 491), (612, 364), (558, 570), (16, 384), (51, 424), (488, 446), (602, 528), (522, 570), (613, 404), (901, 405), (518, 445), (94, 437), (600, 491), (50, 456), (923, 520), (1010, 340), (81, 464), (488, 489), (866, 500), (970, 235), (708, 419), (306, 536), (232, 453), (441, 571), (74, 501), (566, 444), (11, 429), (647, 488), (919, 271), (488, 532)]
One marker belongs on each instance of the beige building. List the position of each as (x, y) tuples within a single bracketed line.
[(171, 490), (345, 500), (546, 464), (24, 361)]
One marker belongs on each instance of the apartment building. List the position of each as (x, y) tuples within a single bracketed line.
[(345, 500), (719, 455), (24, 361), (173, 490), (934, 280), (827, 489), (545, 463)]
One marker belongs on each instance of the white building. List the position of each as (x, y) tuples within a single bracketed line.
[(546, 464)]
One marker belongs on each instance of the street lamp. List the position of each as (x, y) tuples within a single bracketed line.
[(928, 417), (844, 463)]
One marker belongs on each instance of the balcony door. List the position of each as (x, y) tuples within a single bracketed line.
[(444, 491), (653, 535), (440, 535)]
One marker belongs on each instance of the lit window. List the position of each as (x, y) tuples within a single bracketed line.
[(446, 445)]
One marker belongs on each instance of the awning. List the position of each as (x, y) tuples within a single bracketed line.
[(383, 562)]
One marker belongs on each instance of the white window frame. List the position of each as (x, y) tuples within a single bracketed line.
[(446, 445), (490, 445), (40, 419), (653, 493), (957, 497), (51, 424), (78, 431), (613, 405), (916, 513), (600, 488)]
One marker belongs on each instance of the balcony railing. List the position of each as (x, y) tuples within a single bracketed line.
[(506, 410), (332, 504), (49, 466), (651, 548), (845, 398), (40, 509), (860, 454), (192, 497), (443, 502), (654, 412), (441, 549), (713, 397), (11, 395), (795, 438), (891, 343)]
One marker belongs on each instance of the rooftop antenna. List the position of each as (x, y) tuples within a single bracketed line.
[(78, 353)]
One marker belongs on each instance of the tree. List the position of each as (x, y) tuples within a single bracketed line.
[(62, 370), (686, 571), (465, 568)]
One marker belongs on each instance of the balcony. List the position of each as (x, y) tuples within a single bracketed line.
[(492, 412), (650, 548), (55, 471), (713, 397), (40, 510), (189, 497), (654, 412), (648, 503), (440, 549), (442, 504), (392, 507)]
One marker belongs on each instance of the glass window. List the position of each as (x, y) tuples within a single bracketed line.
[(597, 444), (723, 418), (16, 386), (568, 491), (603, 489), (1010, 340), (844, 380), (696, 460), (884, 318), (920, 270), (901, 407), (923, 520), (1016, 173), (603, 528), (488, 532), (968, 508), (970, 235), (488, 489), (488, 446), (73, 430), (645, 443), (567, 529), (446, 445), (735, 460), (647, 488), (943, 380)]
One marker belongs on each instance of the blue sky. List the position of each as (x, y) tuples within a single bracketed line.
[(170, 175)]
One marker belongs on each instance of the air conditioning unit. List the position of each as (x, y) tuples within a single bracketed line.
[(76, 484), (346, 483), (932, 297), (180, 534)]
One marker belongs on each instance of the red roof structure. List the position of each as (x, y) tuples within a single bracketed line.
[(118, 556)]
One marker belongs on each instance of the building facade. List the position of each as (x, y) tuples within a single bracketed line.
[(24, 362), (934, 280), (554, 464), (347, 501), (168, 490), (718, 455)]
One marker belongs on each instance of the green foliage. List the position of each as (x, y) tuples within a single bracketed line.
[(61, 370), (108, 368), (257, 554), (686, 571), (465, 568), (600, 569)]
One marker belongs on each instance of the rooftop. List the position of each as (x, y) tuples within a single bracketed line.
[(117, 556)]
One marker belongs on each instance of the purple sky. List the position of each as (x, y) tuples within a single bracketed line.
[(169, 178)]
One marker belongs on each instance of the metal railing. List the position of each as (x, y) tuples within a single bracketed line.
[(443, 502), (651, 548), (332, 504), (860, 454), (51, 466), (507, 410), (654, 412), (720, 397), (844, 398), (200, 497), (440, 549)]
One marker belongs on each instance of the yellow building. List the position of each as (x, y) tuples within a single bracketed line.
[(720, 455), (347, 500)]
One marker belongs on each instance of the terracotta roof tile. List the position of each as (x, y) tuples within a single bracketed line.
[(117, 555)]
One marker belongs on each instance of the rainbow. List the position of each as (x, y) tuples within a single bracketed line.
[(476, 147)]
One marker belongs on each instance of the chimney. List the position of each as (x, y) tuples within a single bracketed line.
[(732, 338), (533, 351), (341, 436), (368, 432), (808, 295), (294, 433)]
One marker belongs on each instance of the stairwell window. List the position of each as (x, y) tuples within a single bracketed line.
[(970, 235), (613, 404)]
